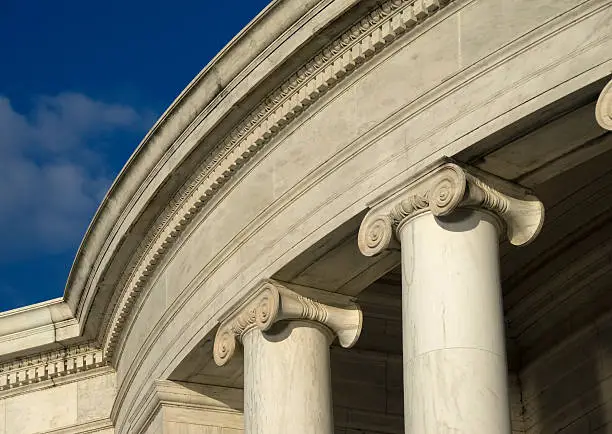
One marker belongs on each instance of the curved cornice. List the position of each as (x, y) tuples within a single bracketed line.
[(221, 92), (62, 322), (205, 92), (288, 101)]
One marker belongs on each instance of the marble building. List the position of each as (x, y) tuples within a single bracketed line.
[(361, 217)]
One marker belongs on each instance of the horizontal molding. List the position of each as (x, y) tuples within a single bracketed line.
[(186, 395), (85, 428), (36, 325), (54, 367)]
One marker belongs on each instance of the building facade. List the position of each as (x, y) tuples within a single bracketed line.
[(360, 217)]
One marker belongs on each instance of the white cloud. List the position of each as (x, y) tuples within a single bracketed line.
[(53, 170)]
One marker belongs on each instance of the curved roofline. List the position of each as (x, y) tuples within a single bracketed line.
[(146, 140), (237, 72)]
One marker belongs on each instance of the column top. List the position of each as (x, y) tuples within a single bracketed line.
[(441, 190), (603, 109), (270, 302)]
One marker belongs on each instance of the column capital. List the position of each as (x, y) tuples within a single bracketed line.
[(603, 109), (270, 302), (443, 189)]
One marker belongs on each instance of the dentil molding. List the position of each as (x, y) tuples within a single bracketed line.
[(271, 302), (330, 66), (51, 365), (442, 190), (603, 109)]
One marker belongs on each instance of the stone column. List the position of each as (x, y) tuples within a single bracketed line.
[(286, 338), (603, 109), (448, 223)]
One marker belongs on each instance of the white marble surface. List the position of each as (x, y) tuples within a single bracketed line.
[(2, 417), (37, 325), (455, 374), (287, 384), (189, 407), (603, 110), (42, 411), (184, 419), (66, 407), (95, 397)]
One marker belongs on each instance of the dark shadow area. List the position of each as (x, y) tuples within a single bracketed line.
[(367, 380)]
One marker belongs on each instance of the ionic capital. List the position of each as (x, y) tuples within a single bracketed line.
[(603, 109), (441, 191), (271, 302)]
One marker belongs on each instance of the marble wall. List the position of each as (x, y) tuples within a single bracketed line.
[(189, 408), (176, 420), (80, 406)]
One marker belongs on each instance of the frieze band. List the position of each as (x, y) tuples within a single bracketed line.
[(50, 365)]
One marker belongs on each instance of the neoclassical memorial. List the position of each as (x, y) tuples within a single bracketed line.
[(362, 217)]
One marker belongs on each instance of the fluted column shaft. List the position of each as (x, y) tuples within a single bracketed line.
[(286, 338)]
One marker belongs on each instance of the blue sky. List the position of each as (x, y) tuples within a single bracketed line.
[(80, 85)]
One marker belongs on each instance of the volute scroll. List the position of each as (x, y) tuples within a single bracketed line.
[(442, 190), (271, 302)]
